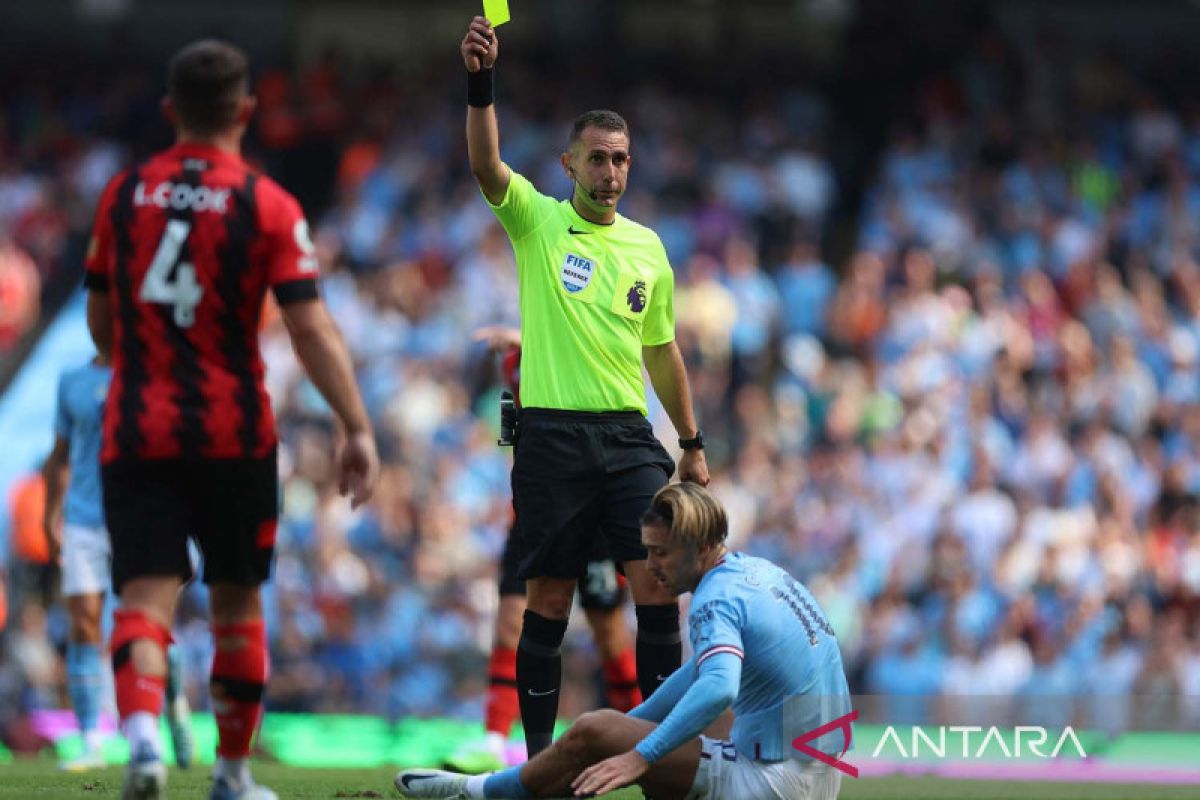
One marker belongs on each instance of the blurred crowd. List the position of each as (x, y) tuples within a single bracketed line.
[(977, 437)]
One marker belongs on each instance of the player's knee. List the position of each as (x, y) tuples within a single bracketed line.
[(551, 605), (594, 729), (141, 639), (508, 622), (232, 604), (582, 741)]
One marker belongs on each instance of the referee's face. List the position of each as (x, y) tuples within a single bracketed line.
[(599, 165), (675, 565)]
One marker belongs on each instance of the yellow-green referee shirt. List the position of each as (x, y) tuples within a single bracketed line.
[(591, 297)]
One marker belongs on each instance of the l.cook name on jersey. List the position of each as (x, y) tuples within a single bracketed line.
[(181, 196), (576, 273)]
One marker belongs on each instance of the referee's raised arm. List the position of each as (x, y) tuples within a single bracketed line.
[(480, 47)]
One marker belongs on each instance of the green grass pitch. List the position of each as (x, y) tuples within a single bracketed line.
[(38, 779)]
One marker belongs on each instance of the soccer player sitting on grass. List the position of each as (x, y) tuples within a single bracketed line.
[(761, 646)]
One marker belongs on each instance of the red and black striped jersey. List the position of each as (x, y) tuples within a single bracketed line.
[(186, 245)]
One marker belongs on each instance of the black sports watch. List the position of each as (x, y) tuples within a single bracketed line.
[(694, 443)]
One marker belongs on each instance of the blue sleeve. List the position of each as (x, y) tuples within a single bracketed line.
[(706, 699), (666, 697), (62, 419)]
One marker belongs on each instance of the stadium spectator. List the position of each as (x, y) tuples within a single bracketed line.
[(20, 292)]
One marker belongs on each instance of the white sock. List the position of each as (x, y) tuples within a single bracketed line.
[(234, 770), (141, 729), (475, 786), (93, 741), (496, 743)]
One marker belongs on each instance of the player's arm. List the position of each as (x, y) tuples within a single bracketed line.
[(713, 691), (319, 346), (97, 265), (100, 321), (479, 48), (56, 471), (706, 699), (668, 375)]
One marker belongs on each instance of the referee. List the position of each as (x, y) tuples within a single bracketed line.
[(597, 299)]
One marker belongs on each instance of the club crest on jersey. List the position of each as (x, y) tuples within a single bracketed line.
[(576, 273), (636, 297)]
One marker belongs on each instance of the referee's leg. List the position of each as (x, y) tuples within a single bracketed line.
[(627, 496), (539, 658)]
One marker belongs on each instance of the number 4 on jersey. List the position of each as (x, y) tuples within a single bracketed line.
[(157, 287)]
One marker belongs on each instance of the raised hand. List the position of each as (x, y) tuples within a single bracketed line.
[(480, 46)]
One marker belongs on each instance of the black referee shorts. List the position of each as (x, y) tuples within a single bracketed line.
[(578, 475)]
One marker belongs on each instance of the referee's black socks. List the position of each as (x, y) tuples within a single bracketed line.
[(539, 677), (659, 648)]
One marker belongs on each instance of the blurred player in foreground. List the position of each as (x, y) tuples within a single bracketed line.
[(761, 646), (74, 525), (185, 247), (602, 594)]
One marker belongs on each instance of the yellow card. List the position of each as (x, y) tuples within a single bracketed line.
[(496, 12)]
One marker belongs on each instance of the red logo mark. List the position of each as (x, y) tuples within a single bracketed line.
[(801, 743)]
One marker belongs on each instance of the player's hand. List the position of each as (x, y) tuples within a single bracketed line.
[(498, 337), (480, 46), (358, 467), (693, 467), (610, 774)]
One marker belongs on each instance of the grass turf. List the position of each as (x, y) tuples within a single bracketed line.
[(38, 779)]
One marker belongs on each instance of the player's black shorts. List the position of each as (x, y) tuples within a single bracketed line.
[(601, 588), (578, 474), (229, 506)]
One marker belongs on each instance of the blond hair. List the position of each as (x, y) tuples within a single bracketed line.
[(690, 513)]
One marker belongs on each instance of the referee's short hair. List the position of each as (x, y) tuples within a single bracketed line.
[(205, 81), (692, 515), (600, 118)]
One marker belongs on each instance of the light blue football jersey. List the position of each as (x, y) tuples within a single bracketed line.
[(79, 419), (792, 680)]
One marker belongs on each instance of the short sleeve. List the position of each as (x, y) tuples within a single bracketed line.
[(659, 326), (62, 417), (98, 261), (524, 209), (291, 257), (715, 627)]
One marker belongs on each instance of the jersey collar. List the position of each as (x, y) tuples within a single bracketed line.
[(577, 221), (207, 152)]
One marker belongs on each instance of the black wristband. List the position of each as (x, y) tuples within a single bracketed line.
[(481, 87)]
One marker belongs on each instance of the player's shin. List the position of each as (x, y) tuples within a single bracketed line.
[(502, 703), (140, 677), (621, 681), (239, 676), (85, 687)]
